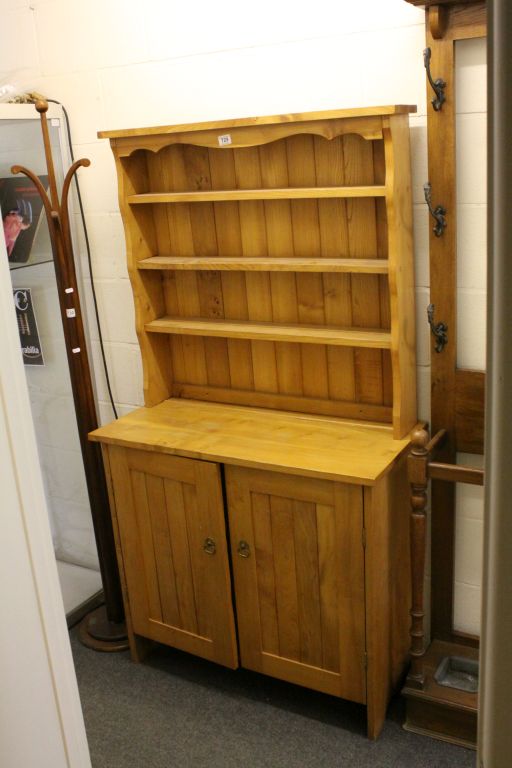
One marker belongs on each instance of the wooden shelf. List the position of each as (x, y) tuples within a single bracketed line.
[(303, 334), (266, 264), (287, 193)]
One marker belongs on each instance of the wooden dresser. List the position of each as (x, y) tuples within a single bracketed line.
[(260, 499)]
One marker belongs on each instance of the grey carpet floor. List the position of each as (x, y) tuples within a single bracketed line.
[(176, 711)]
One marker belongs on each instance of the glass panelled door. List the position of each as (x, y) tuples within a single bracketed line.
[(42, 345)]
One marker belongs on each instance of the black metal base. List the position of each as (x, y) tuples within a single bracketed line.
[(100, 634)]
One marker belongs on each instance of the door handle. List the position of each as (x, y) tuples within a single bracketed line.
[(243, 549), (209, 546)]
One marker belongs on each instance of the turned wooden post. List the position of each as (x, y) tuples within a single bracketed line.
[(417, 465)]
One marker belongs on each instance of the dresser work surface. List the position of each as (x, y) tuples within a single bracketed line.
[(299, 444)]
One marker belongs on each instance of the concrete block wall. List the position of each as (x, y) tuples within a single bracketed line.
[(118, 64)]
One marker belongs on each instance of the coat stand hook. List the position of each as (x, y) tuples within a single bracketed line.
[(438, 330), (438, 213), (438, 85)]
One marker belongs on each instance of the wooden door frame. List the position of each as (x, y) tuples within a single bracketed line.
[(494, 732), (34, 640)]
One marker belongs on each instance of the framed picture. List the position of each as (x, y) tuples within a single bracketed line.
[(21, 208)]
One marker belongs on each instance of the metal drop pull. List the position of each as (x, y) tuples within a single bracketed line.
[(243, 549), (209, 546)]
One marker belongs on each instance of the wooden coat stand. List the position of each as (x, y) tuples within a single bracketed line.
[(104, 628), (435, 710), (457, 407)]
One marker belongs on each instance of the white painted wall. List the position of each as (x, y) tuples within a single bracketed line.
[(120, 63)]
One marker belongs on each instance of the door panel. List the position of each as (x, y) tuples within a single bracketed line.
[(173, 539), (299, 582)]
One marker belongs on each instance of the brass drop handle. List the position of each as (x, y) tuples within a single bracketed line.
[(209, 546), (243, 549)]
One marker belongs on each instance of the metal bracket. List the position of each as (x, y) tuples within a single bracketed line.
[(438, 213), (439, 330), (438, 85)]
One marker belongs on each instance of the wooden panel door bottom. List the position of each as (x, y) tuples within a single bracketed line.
[(173, 541), (298, 565)]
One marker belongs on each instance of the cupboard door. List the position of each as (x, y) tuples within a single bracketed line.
[(298, 564), (173, 540)]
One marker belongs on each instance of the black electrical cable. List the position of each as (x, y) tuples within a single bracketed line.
[(89, 261)]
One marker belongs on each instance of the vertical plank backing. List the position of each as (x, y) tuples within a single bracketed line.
[(209, 283), (143, 523), (172, 308), (283, 287), (348, 503), (180, 548), (329, 163), (264, 556), (229, 239), (328, 554), (182, 233), (254, 243), (162, 548), (285, 569), (306, 241), (358, 157), (196, 535), (308, 589)]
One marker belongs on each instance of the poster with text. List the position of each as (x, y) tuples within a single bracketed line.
[(27, 326)]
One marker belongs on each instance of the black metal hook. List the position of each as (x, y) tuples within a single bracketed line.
[(438, 213), (438, 85), (438, 330)]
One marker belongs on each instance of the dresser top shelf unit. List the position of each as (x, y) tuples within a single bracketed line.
[(271, 262), (298, 444), (246, 122)]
